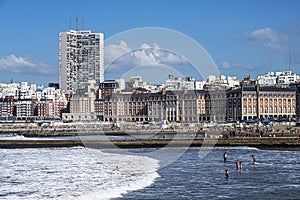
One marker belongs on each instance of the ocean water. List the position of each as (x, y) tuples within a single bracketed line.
[(82, 173), (275, 176), (71, 173)]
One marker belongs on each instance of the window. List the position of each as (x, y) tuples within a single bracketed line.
[(245, 110)]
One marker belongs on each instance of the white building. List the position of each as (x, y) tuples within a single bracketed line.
[(287, 77), (268, 79), (81, 59), (280, 78), (199, 85), (233, 81), (178, 83), (222, 81), (134, 82), (120, 84)]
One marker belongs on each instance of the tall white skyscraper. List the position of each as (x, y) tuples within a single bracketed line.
[(81, 58)]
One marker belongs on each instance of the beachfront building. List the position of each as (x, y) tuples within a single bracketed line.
[(81, 58), (138, 107), (24, 100), (297, 87), (254, 102), (45, 108), (215, 106), (7, 107), (26, 108), (172, 106)]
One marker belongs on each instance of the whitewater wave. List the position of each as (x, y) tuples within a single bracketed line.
[(11, 137), (135, 173), (72, 173)]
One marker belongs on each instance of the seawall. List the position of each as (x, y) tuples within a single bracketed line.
[(263, 142)]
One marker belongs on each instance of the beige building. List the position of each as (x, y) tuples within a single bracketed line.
[(172, 106), (254, 102)]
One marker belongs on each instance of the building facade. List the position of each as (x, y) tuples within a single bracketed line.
[(173, 106), (254, 102), (7, 107), (81, 59)]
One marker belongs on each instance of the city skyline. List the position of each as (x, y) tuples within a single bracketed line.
[(246, 37)]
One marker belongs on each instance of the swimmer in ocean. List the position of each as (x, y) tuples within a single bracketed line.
[(227, 173), (225, 157), (237, 164), (254, 159), (117, 168)]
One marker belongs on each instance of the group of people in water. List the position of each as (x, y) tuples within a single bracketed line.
[(238, 163)]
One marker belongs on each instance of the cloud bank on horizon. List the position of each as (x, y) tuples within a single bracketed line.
[(19, 65)]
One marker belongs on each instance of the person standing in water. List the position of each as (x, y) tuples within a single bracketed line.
[(225, 157), (254, 159), (226, 173), (240, 165), (237, 164)]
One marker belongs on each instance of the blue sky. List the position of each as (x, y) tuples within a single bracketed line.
[(242, 37)]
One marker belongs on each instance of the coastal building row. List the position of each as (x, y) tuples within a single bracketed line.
[(21, 100), (31, 108), (243, 103)]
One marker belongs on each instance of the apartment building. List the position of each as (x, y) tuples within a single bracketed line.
[(81, 58)]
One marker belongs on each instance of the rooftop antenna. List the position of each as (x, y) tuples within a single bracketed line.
[(76, 20)]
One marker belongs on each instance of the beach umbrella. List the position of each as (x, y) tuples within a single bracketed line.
[(250, 121), (265, 120), (230, 121)]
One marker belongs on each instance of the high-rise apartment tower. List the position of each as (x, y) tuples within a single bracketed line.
[(81, 58)]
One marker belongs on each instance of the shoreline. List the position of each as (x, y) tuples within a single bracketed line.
[(262, 143)]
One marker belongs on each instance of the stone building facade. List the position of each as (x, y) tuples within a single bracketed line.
[(254, 102)]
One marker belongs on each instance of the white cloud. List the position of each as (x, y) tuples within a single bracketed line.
[(269, 38), (113, 51), (122, 57), (235, 65), (19, 65), (225, 65)]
